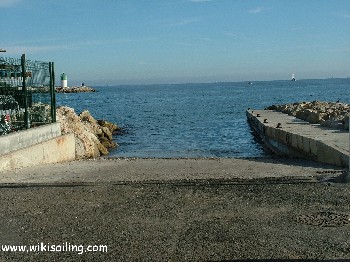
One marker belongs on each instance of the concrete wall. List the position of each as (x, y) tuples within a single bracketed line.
[(36, 146), (58, 149), (27, 138), (298, 138)]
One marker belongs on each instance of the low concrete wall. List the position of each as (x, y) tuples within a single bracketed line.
[(298, 138), (27, 138), (58, 149)]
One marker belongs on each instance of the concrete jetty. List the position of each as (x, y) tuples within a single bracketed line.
[(288, 135)]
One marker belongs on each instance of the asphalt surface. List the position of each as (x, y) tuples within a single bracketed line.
[(224, 218)]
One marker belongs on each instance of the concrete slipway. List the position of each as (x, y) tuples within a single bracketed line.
[(287, 135)]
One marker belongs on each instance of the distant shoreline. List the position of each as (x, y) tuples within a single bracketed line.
[(220, 82)]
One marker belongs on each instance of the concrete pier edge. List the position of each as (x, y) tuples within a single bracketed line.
[(289, 136)]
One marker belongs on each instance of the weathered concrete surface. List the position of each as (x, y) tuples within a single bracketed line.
[(261, 219), (58, 149), (177, 210), (26, 138), (298, 138), (142, 170)]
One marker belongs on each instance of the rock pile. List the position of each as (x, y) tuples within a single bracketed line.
[(328, 114), (74, 89), (92, 137)]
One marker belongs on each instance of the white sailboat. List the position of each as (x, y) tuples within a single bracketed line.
[(293, 78)]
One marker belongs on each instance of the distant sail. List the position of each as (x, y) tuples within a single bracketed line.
[(293, 78)]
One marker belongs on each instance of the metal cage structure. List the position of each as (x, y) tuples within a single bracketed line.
[(27, 94)]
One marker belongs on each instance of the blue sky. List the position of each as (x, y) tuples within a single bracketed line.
[(177, 41)]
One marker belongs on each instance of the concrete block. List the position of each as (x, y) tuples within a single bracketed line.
[(294, 142), (313, 147), (325, 153), (272, 132), (260, 126), (59, 149), (29, 137), (300, 145), (338, 156), (288, 138), (280, 135), (306, 144)]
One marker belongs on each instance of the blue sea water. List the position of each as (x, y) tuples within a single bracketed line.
[(195, 120)]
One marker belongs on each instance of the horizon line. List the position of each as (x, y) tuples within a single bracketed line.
[(220, 82)]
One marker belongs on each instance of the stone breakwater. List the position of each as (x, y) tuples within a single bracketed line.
[(328, 114), (74, 89), (92, 137)]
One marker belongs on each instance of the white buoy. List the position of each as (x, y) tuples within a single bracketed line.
[(64, 80)]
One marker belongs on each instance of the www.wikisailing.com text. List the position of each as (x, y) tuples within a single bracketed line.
[(47, 247)]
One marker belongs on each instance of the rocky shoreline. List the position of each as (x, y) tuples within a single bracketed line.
[(74, 89), (93, 137), (327, 114)]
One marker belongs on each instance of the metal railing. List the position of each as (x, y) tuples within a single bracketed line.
[(27, 94)]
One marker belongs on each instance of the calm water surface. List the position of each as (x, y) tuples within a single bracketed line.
[(195, 120)]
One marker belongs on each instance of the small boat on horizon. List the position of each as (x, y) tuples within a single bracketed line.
[(293, 78)]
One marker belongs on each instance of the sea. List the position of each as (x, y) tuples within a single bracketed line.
[(197, 119)]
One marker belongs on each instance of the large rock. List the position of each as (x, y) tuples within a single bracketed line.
[(90, 122), (88, 132), (329, 114)]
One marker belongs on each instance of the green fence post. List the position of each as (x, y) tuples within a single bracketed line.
[(52, 91), (25, 92)]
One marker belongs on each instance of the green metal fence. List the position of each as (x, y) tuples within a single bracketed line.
[(27, 94)]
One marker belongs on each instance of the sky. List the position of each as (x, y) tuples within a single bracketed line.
[(112, 42)]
